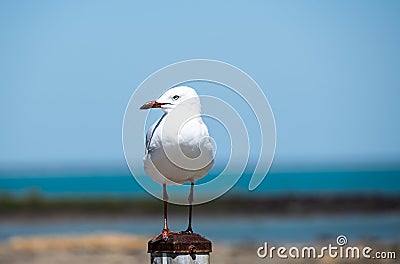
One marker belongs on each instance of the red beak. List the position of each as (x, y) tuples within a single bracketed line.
[(152, 104)]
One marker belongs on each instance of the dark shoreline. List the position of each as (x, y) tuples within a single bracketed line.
[(33, 205)]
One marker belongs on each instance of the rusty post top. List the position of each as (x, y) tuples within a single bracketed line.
[(181, 244)]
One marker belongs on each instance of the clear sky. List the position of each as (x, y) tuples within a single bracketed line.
[(330, 70)]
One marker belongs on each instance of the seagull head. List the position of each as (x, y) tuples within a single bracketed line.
[(182, 97)]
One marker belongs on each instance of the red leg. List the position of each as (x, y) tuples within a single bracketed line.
[(165, 232)]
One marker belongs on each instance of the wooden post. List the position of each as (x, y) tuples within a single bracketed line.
[(180, 249)]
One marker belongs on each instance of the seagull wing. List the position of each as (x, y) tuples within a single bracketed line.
[(150, 133)]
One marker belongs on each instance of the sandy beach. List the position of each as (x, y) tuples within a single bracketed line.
[(42, 231), (113, 248)]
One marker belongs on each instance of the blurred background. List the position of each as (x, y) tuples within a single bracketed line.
[(68, 68)]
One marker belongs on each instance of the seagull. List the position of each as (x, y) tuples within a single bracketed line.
[(178, 146)]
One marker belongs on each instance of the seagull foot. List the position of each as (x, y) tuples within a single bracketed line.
[(188, 231), (163, 235)]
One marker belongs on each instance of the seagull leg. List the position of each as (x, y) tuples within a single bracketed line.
[(189, 230), (165, 232)]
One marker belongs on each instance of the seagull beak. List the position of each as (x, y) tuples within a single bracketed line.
[(152, 104)]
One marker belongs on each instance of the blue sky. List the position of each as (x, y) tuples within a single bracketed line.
[(330, 70)]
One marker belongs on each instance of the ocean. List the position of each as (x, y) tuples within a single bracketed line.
[(120, 183)]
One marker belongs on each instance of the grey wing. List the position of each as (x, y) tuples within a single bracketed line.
[(149, 135)]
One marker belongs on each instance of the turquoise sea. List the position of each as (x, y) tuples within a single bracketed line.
[(84, 182)]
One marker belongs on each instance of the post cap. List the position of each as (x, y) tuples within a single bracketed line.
[(181, 244)]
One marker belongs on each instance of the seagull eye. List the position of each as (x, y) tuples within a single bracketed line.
[(175, 97)]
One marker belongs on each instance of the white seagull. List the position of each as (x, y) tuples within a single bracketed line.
[(178, 146)]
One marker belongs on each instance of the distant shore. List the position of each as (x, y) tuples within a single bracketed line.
[(30, 205)]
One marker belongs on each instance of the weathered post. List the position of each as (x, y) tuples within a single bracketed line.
[(180, 249)]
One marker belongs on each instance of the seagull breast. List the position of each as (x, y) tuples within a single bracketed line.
[(178, 145)]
